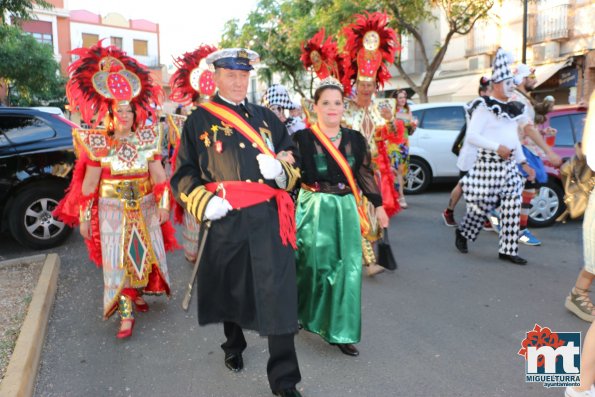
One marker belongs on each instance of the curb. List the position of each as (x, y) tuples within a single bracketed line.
[(21, 373)]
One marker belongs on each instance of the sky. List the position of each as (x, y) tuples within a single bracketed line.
[(183, 24)]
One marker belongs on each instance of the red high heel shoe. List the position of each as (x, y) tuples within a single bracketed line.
[(141, 307), (125, 333)]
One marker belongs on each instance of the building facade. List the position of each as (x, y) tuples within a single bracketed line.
[(560, 45)]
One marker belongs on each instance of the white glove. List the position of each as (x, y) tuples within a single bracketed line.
[(217, 208), (270, 167)]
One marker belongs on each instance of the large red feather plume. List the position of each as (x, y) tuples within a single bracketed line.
[(370, 44), (111, 67), (182, 90), (321, 55)]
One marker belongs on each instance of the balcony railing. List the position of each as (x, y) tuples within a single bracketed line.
[(549, 23), (481, 40)]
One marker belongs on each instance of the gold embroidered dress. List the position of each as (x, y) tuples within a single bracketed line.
[(132, 245)]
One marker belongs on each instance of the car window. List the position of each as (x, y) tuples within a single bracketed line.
[(443, 118), (3, 141), (578, 124), (19, 129), (418, 114), (564, 135)]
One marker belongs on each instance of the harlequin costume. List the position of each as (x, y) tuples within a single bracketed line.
[(491, 178), (191, 82), (246, 279), (126, 239)]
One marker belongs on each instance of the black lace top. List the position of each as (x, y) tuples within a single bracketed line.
[(319, 166)]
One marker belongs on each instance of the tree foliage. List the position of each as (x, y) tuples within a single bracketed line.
[(29, 69), (276, 29), (20, 9)]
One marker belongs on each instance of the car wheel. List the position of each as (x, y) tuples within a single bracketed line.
[(30, 216), (547, 204), (418, 177)]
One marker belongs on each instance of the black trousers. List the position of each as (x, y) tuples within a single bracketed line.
[(282, 369)]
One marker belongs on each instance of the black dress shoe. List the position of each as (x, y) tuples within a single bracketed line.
[(517, 260), (288, 393), (460, 242), (347, 348), (234, 361)]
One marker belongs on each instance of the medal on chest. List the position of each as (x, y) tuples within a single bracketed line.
[(218, 143)]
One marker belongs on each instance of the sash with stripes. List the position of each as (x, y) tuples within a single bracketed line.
[(230, 117), (341, 161)]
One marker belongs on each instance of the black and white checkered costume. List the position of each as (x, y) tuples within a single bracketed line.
[(277, 95), (501, 67), (493, 179)]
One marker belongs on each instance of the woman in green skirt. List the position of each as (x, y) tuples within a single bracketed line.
[(329, 271)]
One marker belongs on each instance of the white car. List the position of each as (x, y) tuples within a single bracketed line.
[(431, 158)]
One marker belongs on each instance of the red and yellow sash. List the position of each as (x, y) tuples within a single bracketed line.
[(341, 161), (236, 121)]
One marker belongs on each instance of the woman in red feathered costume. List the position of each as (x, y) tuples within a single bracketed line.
[(191, 84), (119, 195)]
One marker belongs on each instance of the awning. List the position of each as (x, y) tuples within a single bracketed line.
[(441, 89), (450, 86), (469, 90), (545, 71)]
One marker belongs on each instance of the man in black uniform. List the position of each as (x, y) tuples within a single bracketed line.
[(231, 171)]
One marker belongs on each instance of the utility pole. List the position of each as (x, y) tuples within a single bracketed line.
[(525, 28)]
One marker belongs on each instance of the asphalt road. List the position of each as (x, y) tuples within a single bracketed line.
[(443, 324)]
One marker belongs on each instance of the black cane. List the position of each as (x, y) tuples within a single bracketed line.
[(205, 232)]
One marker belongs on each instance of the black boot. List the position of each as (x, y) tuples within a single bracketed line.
[(461, 242)]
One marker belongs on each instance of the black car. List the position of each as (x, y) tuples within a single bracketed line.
[(36, 164)]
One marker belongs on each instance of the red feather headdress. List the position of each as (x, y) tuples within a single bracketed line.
[(321, 55), (369, 44), (103, 76), (189, 80)]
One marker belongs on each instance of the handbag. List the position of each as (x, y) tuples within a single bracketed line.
[(386, 259), (578, 181)]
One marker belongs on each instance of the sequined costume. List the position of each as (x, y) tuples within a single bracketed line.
[(130, 237), (126, 237)]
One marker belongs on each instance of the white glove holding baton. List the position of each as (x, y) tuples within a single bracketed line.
[(217, 208), (269, 166)]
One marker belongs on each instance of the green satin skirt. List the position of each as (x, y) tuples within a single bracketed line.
[(329, 266)]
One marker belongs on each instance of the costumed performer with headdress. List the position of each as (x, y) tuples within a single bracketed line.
[(336, 165), (119, 195), (191, 84), (369, 44)]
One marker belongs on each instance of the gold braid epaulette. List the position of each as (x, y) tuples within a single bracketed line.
[(196, 201), (293, 175)]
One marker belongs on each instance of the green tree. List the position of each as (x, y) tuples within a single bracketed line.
[(277, 28), (272, 30), (29, 70), (20, 9), (461, 16)]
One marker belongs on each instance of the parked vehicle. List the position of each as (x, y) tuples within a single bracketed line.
[(548, 204), (36, 163), (431, 159)]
